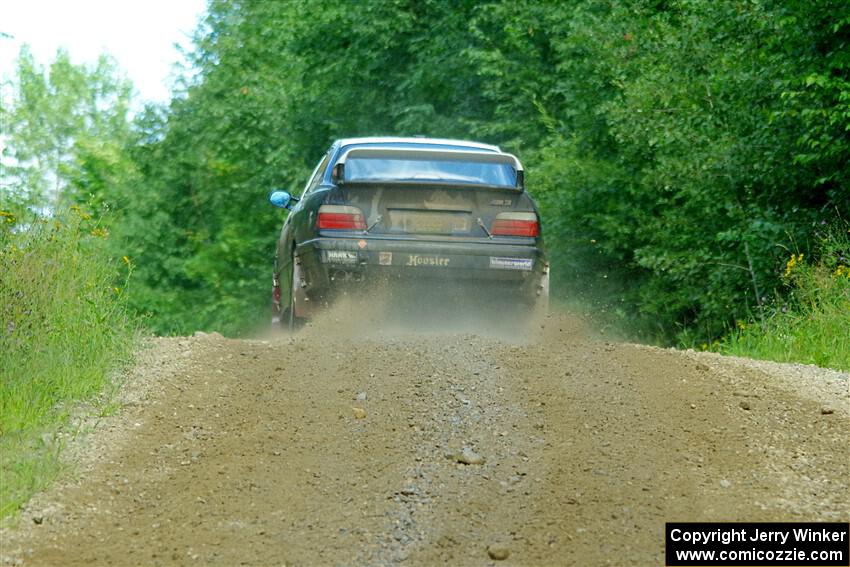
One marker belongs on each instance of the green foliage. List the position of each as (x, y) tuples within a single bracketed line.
[(64, 329), (700, 183), (809, 323)]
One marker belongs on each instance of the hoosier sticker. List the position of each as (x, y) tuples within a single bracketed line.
[(417, 260)]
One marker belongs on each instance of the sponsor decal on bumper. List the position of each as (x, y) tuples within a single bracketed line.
[(340, 257), (385, 258), (526, 264), (420, 260)]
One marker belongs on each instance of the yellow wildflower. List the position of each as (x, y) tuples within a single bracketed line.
[(741, 325), (100, 233), (126, 260), (791, 263)]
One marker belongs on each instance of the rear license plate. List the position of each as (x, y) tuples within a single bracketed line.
[(429, 222)]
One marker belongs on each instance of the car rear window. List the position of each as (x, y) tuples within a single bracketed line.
[(428, 170)]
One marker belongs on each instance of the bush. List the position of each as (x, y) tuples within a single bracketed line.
[(810, 322), (64, 330)]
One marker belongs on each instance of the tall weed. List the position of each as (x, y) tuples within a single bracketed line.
[(63, 330)]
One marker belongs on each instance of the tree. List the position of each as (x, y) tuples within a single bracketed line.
[(678, 148), (55, 121)]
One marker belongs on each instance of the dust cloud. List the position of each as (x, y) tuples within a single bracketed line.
[(434, 308)]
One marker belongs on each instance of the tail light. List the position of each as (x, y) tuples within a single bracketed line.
[(515, 224), (340, 217)]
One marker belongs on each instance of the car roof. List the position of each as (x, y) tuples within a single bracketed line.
[(424, 141)]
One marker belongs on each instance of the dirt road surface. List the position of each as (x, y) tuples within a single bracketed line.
[(332, 448)]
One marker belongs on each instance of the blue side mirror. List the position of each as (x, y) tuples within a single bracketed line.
[(280, 199)]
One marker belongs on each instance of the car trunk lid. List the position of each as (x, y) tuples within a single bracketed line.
[(427, 210)]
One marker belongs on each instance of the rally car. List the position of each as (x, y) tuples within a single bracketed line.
[(399, 210)]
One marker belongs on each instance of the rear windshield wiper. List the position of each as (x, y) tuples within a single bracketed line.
[(374, 224), (487, 232)]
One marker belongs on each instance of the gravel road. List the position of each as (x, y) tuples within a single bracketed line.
[(358, 448)]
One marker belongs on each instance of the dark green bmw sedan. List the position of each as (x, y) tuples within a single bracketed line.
[(400, 211)]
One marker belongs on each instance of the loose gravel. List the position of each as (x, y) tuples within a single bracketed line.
[(344, 446)]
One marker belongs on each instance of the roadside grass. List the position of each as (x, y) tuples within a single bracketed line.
[(811, 323), (64, 331)]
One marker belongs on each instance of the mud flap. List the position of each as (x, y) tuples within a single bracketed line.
[(276, 309), (301, 307), (543, 290)]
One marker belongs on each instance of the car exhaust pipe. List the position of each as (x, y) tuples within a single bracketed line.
[(346, 276)]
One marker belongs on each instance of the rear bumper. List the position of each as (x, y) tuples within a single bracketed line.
[(328, 261)]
